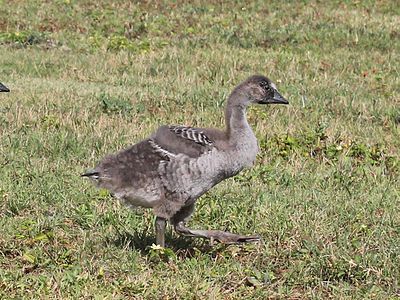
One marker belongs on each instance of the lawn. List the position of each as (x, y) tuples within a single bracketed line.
[(89, 78)]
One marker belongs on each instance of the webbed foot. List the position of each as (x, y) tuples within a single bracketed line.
[(216, 235)]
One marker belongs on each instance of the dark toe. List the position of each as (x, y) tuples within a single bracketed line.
[(249, 239)]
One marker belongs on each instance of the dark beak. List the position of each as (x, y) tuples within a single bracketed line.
[(277, 99), (3, 88)]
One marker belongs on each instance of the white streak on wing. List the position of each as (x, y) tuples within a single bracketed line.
[(161, 150), (200, 138), (191, 135)]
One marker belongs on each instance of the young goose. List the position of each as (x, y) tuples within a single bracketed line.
[(172, 168), (3, 88)]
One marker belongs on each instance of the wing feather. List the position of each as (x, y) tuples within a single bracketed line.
[(193, 134), (175, 140)]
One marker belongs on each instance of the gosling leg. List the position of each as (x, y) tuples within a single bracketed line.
[(160, 231)]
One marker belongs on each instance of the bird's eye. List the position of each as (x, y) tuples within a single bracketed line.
[(266, 86)]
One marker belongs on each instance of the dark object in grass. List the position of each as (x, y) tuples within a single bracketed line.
[(3, 88), (172, 168)]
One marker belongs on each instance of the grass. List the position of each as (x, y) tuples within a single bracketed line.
[(90, 78)]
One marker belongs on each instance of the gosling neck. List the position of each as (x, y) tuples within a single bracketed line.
[(235, 115)]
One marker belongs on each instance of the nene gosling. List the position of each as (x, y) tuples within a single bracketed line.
[(172, 168)]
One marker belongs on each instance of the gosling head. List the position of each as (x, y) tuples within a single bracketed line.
[(259, 89), (3, 88)]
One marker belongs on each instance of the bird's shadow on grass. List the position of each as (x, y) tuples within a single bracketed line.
[(142, 242)]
